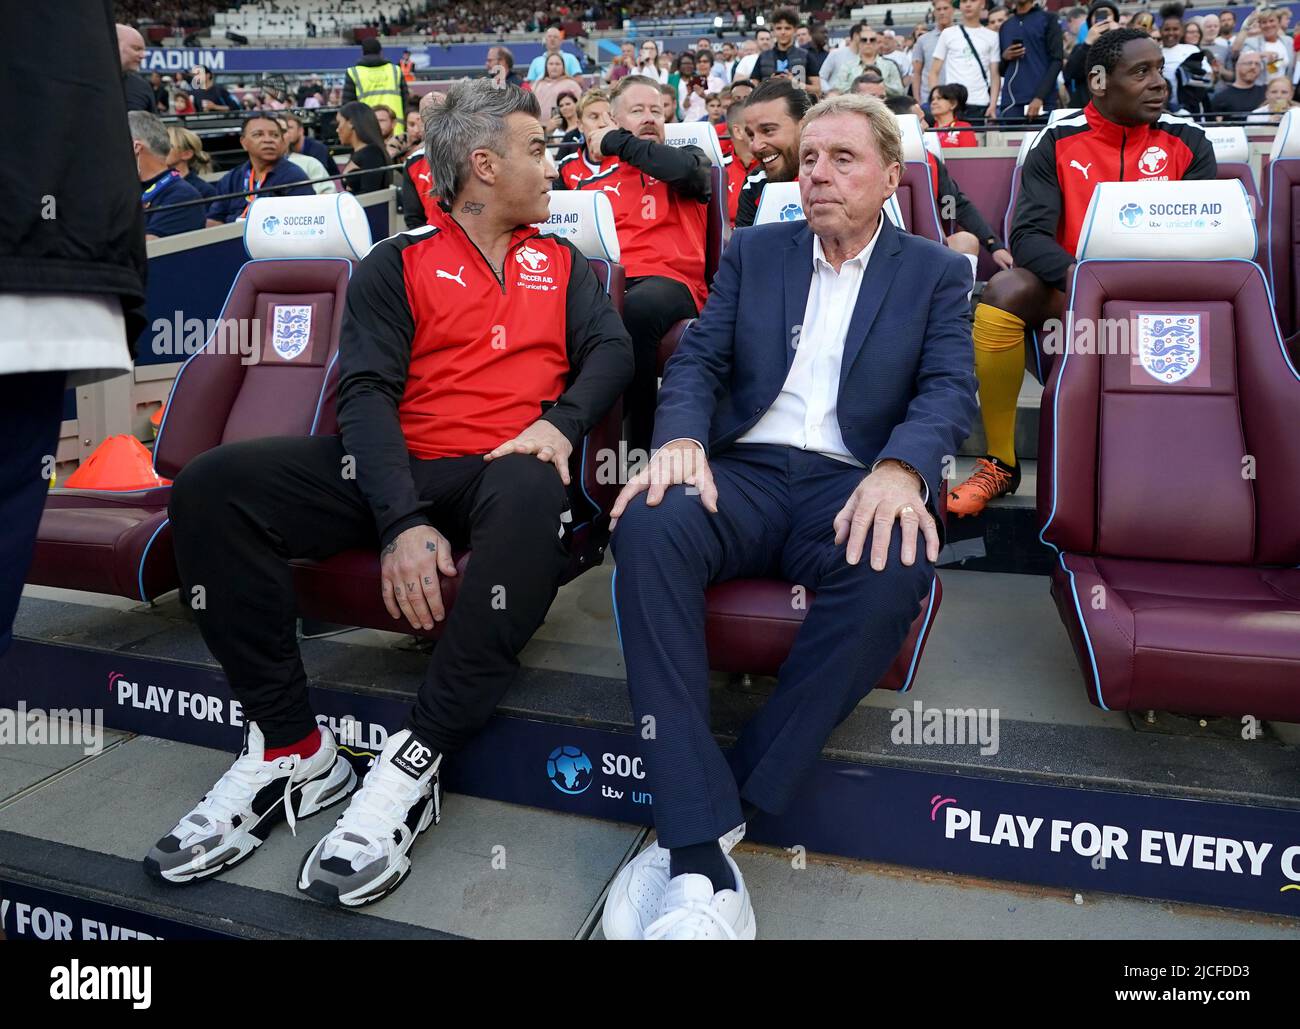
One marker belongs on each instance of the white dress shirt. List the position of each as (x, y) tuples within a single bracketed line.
[(805, 413)]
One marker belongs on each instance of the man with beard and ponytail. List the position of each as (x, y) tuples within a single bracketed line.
[(1122, 135), (772, 117)]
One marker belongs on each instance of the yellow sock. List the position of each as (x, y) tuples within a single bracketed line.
[(1000, 367)]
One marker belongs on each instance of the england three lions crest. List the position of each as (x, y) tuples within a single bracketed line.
[(1169, 345), (291, 330)]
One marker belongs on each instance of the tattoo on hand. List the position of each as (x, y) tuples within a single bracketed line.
[(390, 548), (472, 207), (431, 545), (411, 586)]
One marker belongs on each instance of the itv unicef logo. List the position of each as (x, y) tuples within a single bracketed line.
[(791, 213), (570, 770), (269, 224), (1130, 215)]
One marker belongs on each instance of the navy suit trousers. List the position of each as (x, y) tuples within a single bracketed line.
[(776, 506)]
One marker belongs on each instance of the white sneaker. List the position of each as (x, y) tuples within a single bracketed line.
[(246, 803), (637, 892), (364, 857), (692, 911)]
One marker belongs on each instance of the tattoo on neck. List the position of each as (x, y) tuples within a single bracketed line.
[(471, 208)]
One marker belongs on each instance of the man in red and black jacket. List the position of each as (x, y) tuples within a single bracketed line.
[(475, 355), (1121, 136), (660, 195)]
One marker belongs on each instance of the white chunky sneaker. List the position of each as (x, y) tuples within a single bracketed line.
[(364, 857), (246, 803), (637, 892), (692, 911)]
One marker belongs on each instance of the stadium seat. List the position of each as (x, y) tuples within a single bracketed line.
[(346, 588), (284, 310), (1282, 223), (718, 233), (915, 194), (1168, 467)]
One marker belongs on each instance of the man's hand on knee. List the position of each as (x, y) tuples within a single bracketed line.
[(889, 494), (680, 463), (542, 439), (409, 568)]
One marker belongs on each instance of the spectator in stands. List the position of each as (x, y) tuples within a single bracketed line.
[(845, 53), (741, 91), (997, 17), (672, 114), (301, 143), (554, 82), (1212, 38), (564, 126), (795, 470), (945, 103), (553, 38), (358, 130), (772, 117), (189, 160), (1279, 97), (161, 187), (967, 54), (131, 49), (1102, 16), (263, 141), (892, 48), (965, 229), (761, 43), (419, 194), (623, 64), (161, 93), (593, 117), (312, 168), (1262, 34), (1117, 127), (376, 81), (869, 83), (647, 64), (869, 59), (1245, 92), (660, 196), (1174, 49), (818, 51), (923, 51), (707, 69), (784, 58), (506, 74), (1032, 58), (448, 448), (387, 120), (206, 95)]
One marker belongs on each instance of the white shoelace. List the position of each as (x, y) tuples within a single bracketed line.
[(235, 790), (375, 812), (691, 921)]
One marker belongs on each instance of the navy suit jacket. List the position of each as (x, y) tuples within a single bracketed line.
[(907, 381)]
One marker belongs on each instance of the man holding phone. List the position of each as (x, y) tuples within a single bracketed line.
[(1032, 57)]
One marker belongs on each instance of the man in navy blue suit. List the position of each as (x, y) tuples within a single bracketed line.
[(802, 425)]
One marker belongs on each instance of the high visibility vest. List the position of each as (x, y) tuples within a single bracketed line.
[(380, 86)]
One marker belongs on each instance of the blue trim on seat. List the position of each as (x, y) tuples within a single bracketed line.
[(320, 400), (144, 554), (920, 639), (613, 600)]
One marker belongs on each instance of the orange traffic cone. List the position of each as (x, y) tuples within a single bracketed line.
[(119, 463)]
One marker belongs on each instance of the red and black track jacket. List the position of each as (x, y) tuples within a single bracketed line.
[(440, 358), (660, 195), (1066, 163), (419, 197)]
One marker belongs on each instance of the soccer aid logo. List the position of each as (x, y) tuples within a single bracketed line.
[(270, 224), (1130, 215), (569, 770), (531, 260), (1152, 161), (791, 213)]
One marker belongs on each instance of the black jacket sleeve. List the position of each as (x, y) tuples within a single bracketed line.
[(747, 206), (1037, 215), (600, 354), (1055, 60), (968, 216), (412, 205), (685, 168), (374, 358)]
